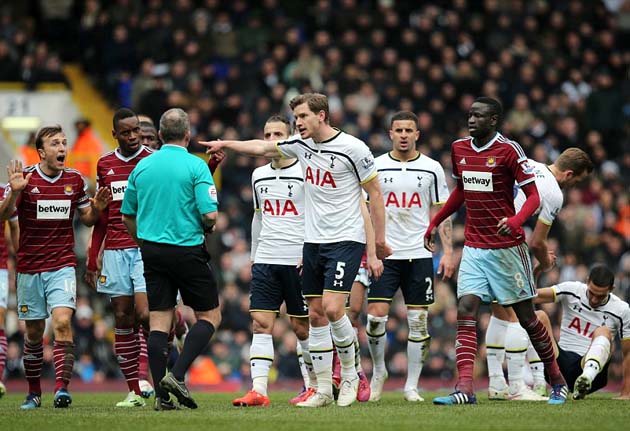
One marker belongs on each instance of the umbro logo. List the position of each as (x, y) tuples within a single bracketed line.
[(462, 161), (35, 190), (110, 172)]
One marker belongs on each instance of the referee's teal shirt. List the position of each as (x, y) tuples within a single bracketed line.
[(167, 193)]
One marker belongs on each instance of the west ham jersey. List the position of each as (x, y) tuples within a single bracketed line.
[(551, 197), (279, 201), (579, 319), (45, 212), (409, 190), (333, 172), (112, 170), (487, 175)]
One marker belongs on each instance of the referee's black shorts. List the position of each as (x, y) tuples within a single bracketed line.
[(172, 268)]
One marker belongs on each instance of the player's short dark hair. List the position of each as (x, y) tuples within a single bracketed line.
[(46, 132), (600, 275), (404, 116), (574, 159), (316, 102), (121, 114), (174, 124), (278, 118), (495, 106)]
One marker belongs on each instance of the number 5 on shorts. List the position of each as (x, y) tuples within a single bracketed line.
[(339, 273)]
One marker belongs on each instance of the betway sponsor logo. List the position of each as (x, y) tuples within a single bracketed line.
[(477, 181), (118, 190), (53, 210)]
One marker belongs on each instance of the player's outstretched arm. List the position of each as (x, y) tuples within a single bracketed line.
[(91, 214), (625, 388), (546, 295), (377, 214), (253, 147), (454, 201)]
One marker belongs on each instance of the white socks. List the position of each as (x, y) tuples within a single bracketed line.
[(516, 341), (495, 351), (376, 342), (596, 356), (260, 360), (306, 364), (417, 346), (536, 366), (321, 350), (357, 351), (343, 336)]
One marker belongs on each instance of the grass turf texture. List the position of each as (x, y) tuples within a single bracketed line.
[(96, 412)]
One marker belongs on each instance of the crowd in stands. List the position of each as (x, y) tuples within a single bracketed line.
[(560, 68)]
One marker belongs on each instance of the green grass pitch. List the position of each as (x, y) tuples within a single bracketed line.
[(96, 412)]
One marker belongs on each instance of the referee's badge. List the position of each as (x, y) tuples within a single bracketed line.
[(212, 192)]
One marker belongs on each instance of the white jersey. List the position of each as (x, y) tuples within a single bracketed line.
[(551, 197), (333, 172), (409, 190), (279, 204), (579, 319)]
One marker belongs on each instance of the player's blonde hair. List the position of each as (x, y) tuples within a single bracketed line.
[(575, 160)]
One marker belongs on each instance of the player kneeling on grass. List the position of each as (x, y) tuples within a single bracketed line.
[(591, 315)]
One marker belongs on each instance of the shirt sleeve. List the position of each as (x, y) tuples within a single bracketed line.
[(83, 198), (205, 191), (562, 291), (130, 201), (550, 207), (442, 187), (455, 174), (288, 149), (517, 161), (364, 163)]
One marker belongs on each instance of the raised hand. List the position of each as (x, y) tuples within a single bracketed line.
[(102, 198), (17, 180)]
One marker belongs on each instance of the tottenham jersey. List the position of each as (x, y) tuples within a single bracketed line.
[(551, 197), (279, 202), (579, 319), (409, 190), (333, 172)]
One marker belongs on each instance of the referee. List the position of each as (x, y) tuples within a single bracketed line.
[(169, 203)]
